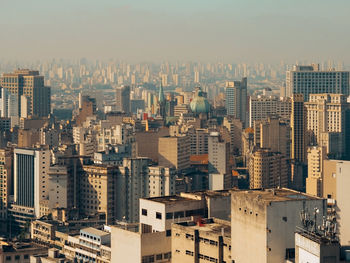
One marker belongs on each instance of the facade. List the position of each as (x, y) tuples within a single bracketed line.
[(274, 134), (308, 80), (267, 169), (205, 240), (262, 107), (123, 99), (174, 151), (270, 217), (219, 162), (20, 252), (97, 184), (314, 181), (298, 126), (234, 127), (132, 183), (31, 85), (236, 99), (161, 181), (326, 120), (6, 180)]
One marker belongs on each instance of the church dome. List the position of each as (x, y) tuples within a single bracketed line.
[(200, 104)]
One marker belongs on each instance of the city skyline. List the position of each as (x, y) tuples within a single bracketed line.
[(268, 31)]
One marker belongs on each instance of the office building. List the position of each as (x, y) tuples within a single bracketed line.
[(123, 99), (201, 240), (236, 99), (298, 126), (269, 216), (6, 180), (174, 151), (308, 80), (132, 184), (267, 169), (161, 181), (31, 85), (262, 107), (234, 127), (314, 181), (273, 133), (219, 162), (326, 115)]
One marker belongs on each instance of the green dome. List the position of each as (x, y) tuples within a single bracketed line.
[(200, 104)]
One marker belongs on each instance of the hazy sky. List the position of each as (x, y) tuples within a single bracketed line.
[(228, 30)]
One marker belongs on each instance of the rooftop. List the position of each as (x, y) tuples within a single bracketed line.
[(275, 195), (212, 225), (94, 231)]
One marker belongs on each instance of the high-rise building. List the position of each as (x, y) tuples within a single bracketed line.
[(315, 158), (236, 99), (274, 134), (298, 126), (31, 85), (263, 223), (174, 151), (219, 160), (311, 80), (267, 169), (262, 107), (6, 177), (123, 99), (326, 121)]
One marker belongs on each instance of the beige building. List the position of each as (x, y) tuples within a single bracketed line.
[(6, 177), (315, 158), (263, 223), (20, 252), (274, 134), (174, 151), (326, 121), (138, 245), (234, 127), (31, 85), (267, 169), (329, 189), (204, 240), (97, 184)]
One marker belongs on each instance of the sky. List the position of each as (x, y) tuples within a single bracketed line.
[(266, 31)]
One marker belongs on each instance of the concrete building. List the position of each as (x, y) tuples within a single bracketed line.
[(262, 107), (308, 80), (298, 126), (31, 85), (174, 151), (219, 162), (123, 99), (313, 247), (161, 181), (132, 183), (236, 99), (202, 240), (274, 134), (137, 244), (247, 144), (235, 128), (20, 252), (267, 169), (98, 191), (337, 179), (6, 181), (326, 121), (314, 181), (264, 221)]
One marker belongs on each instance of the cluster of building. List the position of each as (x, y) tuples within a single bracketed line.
[(172, 176)]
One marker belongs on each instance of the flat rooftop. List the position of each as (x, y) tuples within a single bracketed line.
[(169, 199), (274, 195), (212, 225), (94, 231)]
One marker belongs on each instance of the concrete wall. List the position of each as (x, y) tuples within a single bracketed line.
[(125, 246)]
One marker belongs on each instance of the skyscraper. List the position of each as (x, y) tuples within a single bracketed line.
[(310, 80), (31, 85), (298, 125), (123, 99), (236, 99)]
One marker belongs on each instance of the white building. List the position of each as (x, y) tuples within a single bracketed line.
[(310, 80)]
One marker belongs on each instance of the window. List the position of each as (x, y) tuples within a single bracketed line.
[(159, 257), (8, 258), (144, 212), (17, 257), (26, 256), (158, 215), (168, 233)]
